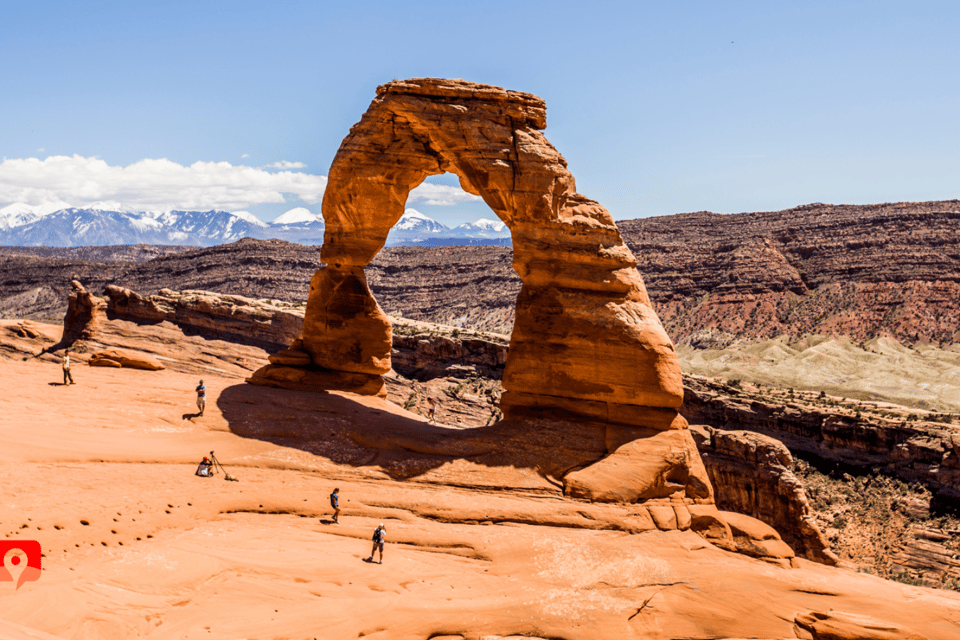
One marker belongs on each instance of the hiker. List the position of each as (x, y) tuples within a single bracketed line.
[(205, 470), (66, 368), (379, 534), (432, 410), (335, 503), (201, 397)]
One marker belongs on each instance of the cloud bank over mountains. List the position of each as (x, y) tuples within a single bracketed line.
[(164, 185)]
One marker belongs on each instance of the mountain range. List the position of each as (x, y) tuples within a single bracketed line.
[(103, 224)]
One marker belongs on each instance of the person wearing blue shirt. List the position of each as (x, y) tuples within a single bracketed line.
[(201, 397), (335, 503)]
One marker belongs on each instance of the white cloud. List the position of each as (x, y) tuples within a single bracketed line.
[(245, 155), (283, 164), (441, 195), (153, 185)]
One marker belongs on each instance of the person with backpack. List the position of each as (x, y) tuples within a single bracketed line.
[(205, 469), (335, 503), (379, 535)]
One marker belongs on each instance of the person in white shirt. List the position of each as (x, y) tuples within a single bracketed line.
[(66, 368)]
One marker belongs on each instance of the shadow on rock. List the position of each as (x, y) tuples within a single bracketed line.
[(359, 433)]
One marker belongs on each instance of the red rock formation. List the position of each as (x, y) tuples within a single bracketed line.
[(85, 312), (585, 330), (269, 323), (754, 472), (586, 342), (121, 358)]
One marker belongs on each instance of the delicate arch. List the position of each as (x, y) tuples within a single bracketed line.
[(585, 340)]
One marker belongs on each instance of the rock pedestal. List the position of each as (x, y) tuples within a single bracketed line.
[(85, 312)]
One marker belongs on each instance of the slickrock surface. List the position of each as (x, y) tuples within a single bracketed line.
[(137, 546), (460, 372)]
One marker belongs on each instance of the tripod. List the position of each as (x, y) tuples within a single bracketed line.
[(216, 465)]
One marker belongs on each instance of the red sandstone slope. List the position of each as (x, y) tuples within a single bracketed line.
[(136, 546)]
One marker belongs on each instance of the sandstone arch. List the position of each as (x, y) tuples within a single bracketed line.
[(586, 338)]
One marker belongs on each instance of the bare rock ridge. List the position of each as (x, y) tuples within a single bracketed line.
[(921, 452), (272, 324)]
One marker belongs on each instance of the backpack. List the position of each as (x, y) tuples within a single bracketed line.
[(333, 500), (378, 535)]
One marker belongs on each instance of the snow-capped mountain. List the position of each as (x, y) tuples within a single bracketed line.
[(99, 225), (298, 225), (482, 228), (298, 217), (414, 228), (19, 214), (412, 221), (112, 223)]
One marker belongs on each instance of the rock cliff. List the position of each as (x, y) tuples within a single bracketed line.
[(858, 271), (862, 435)]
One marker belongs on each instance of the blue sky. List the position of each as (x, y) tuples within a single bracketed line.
[(659, 107)]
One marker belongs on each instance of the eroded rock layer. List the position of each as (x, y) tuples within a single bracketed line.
[(585, 329)]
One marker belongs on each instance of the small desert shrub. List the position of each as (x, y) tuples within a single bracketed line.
[(411, 402), (905, 577)]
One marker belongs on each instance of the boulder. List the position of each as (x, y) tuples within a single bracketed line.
[(755, 538), (664, 464), (836, 625), (121, 358)]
